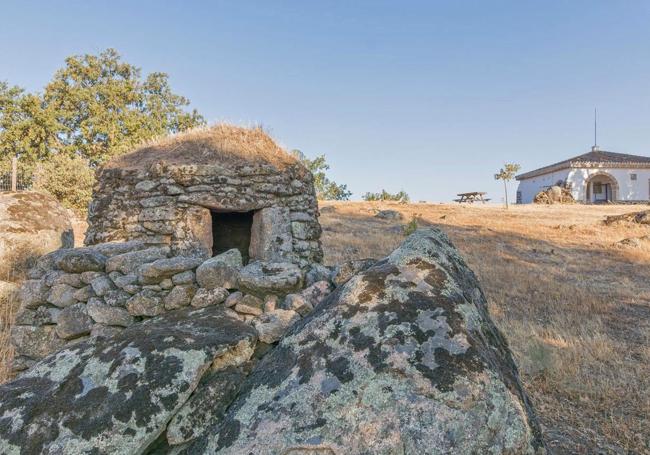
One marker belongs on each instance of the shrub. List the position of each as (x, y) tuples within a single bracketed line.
[(69, 179), (384, 195), (411, 226)]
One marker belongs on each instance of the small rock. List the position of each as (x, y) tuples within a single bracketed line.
[(43, 315), (128, 262), (78, 260), (279, 278), (166, 268), (249, 304), (84, 293), (233, 299), (62, 295), (270, 303), (73, 322), (88, 277), (179, 297), (110, 249), (33, 293), (145, 303), (35, 342), (317, 272), (207, 297), (298, 303), (221, 271), (116, 297), (273, 325), (123, 280), (167, 284), (109, 315), (183, 278), (72, 279), (101, 285)]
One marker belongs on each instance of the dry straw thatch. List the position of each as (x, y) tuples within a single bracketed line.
[(221, 143)]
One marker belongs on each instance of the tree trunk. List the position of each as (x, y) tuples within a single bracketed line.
[(505, 190)]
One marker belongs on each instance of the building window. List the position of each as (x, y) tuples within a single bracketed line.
[(598, 188), (632, 176), (518, 197)]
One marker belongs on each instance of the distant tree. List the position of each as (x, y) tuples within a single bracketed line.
[(507, 173), (94, 108), (384, 195), (326, 189)]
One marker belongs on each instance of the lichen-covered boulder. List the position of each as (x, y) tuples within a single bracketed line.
[(220, 271), (343, 272), (116, 395), (404, 358)]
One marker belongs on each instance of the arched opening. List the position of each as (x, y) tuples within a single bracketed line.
[(601, 187)]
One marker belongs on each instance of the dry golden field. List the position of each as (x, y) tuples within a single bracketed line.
[(574, 305)]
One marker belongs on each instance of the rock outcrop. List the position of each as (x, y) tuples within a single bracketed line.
[(402, 359), (117, 395), (32, 224)]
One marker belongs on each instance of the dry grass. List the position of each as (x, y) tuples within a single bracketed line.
[(222, 143), (7, 314), (573, 303)]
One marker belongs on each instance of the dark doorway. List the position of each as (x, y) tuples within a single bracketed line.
[(231, 230)]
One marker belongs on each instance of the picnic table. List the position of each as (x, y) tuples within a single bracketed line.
[(471, 197)]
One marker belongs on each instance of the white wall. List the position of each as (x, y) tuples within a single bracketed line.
[(530, 187), (628, 189)]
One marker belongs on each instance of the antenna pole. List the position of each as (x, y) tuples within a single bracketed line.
[(595, 128)]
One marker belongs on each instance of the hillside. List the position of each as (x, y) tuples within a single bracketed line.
[(572, 301)]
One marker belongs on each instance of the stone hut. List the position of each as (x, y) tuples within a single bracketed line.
[(207, 191)]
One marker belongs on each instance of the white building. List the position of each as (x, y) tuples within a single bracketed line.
[(596, 176)]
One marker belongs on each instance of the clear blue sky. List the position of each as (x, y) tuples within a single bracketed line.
[(429, 97)]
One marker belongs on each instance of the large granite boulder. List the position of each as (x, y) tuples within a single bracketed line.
[(32, 224), (403, 358), (116, 395), (278, 278)]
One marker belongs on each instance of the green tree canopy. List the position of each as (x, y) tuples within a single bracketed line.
[(384, 195), (326, 189), (95, 107)]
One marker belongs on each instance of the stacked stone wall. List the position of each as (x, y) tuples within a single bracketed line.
[(171, 205)]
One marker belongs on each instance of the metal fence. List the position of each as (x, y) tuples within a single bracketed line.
[(23, 182), (16, 179)]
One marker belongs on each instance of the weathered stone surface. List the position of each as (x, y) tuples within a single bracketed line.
[(116, 297), (261, 278), (88, 277), (308, 298), (32, 224), (121, 281), (145, 303), (33, 293), (73, 322), (35, 342), (78, 260), (114, 248), (43, 315), (116, 395), (62, 295), (272, 326), (109, 315), (84, 293), (166, 268), (102, 285), (206, 406), (317, 272), (128, 262), (249, 304), (233, 299), (105, 331), (179, 297), (342, 273), (402, 359), (297, 303), (271, 238), (207, 297), (72, 279), (221, 271), (184, 278)]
